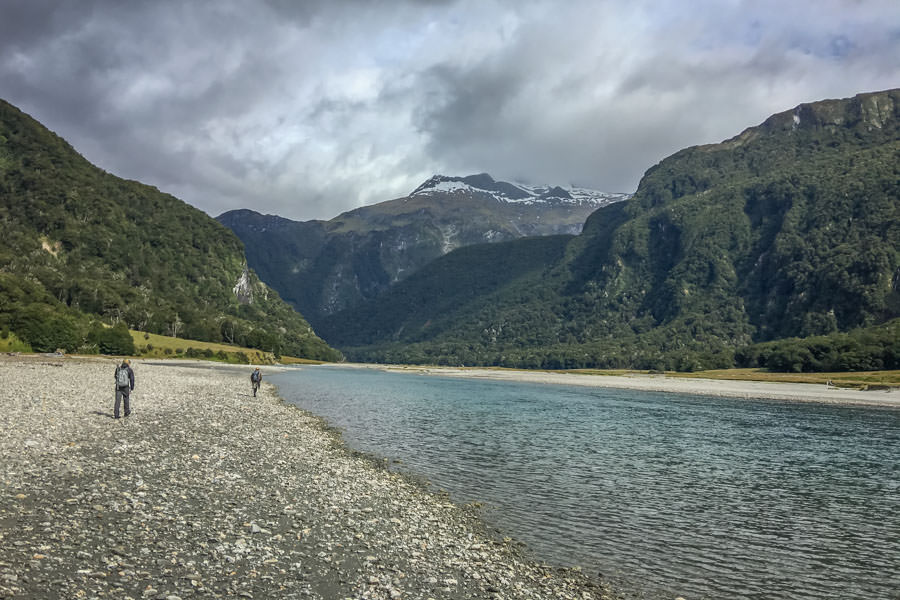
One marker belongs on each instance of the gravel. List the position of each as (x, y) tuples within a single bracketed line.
[(207, 492)]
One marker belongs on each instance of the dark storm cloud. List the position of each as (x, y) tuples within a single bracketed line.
[(29, 23), (306, 109)]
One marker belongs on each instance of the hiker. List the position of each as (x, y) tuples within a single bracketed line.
[(124, 385), (255, 379)]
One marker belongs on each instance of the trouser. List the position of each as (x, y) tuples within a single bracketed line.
[(122, 393), (255, 387)]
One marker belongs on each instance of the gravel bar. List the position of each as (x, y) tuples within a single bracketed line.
[(207, 492)]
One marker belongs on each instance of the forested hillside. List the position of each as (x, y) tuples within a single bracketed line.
[(791, 228), (82, 248), (456, 297)]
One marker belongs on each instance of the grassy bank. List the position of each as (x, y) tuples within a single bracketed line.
[(151, 345), (856, 379), (10, 343)]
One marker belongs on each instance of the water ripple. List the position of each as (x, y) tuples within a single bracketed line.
[(664, 494)]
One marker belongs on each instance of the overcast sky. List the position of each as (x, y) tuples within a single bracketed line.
[(306, 109)]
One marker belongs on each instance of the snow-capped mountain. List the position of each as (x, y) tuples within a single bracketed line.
[(518, 193), (322, 267)]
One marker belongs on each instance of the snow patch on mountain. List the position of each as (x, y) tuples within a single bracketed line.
[(516, 193), (443, 186)]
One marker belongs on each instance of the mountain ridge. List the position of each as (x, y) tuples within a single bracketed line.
[(508, 192), (789, 229), (321, 267)]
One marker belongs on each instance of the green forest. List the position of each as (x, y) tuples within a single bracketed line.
[(776, 248), (86, 255)]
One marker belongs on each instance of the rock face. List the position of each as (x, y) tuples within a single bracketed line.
[(242, 289), (322, 267)]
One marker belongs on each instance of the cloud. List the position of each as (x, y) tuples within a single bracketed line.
[(643, 84), (309, 109)]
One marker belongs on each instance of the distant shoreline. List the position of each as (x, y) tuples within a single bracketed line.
[(727, 388), (697, 386)]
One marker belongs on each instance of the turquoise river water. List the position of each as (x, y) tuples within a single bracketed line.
[(662, 494)]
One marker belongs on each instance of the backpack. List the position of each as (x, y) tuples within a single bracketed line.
[(254, 376), (122, 379)]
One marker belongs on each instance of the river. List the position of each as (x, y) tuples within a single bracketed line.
[(661, 494)]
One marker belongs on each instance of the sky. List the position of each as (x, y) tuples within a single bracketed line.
[(306, 109)]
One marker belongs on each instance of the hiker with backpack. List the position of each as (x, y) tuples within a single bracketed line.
[(255, 380), (124, 385)]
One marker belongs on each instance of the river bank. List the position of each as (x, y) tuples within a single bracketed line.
[(793, 392), (208, 492)]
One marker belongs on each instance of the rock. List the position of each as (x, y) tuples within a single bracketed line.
[(279, 507)]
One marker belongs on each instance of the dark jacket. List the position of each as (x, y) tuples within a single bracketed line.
[(130, 374)]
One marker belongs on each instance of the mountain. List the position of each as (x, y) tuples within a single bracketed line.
[(82, 249), (791, 228), (484, 184), (322, 267)]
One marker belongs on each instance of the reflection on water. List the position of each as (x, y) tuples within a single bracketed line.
[(664, 494)]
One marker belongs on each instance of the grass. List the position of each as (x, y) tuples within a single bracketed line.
[(858, 379), (152, 345), (11, 343)]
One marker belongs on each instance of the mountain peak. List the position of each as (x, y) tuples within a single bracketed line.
[(502, 191)]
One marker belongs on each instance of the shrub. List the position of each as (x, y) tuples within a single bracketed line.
[(112, 340), (47, 332)]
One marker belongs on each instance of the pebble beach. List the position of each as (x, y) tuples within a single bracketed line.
[(208, 492)]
